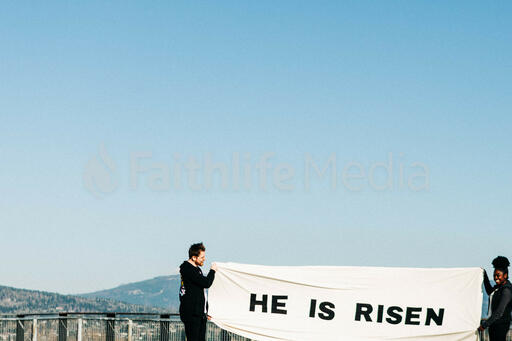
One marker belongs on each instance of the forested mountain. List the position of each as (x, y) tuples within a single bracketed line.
[(159, 292), (18, 301), (156, 295)]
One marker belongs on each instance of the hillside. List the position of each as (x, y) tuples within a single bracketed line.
[(163, 292), (159, 292), (17, 301)]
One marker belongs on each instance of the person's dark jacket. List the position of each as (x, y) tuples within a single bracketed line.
[(501, 305), (193, 283)]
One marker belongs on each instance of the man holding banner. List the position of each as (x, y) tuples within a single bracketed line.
[(193, 297)]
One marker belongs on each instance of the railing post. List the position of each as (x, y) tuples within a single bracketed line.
[(110, 327), (224, 336), (34, 330), (79, 330), (20, 328), (130, 330), (164, 327), (63, 327)]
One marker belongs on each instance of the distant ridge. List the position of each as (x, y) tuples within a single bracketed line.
[(161, 292), (156, 295), (23, 301)]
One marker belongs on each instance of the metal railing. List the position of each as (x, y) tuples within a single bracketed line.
[(102, 327), (111, 327)]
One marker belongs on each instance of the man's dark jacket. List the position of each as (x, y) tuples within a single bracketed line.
[(501, 305), (193, 283)]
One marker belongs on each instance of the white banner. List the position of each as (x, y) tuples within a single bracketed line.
[(320, 303)]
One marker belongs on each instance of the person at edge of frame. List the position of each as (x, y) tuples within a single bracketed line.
[(500, 301), (193, 296)]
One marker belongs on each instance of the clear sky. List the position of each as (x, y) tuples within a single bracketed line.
[(112, 112)]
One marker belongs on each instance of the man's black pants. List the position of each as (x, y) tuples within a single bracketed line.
[(195, 328)]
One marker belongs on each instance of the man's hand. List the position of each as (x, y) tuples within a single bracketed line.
[(480, 329), (208, 317), (214, 266)]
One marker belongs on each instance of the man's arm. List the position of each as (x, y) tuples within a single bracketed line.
[(506, 296), (198, 279)]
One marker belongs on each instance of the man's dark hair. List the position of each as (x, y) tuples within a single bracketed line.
[(501, 263), (195, 250)]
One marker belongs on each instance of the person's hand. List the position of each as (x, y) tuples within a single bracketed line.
[(208, 317), (480, 329), (214, 266)]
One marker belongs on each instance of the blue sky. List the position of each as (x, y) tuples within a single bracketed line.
[(95, 83)]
